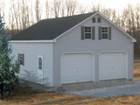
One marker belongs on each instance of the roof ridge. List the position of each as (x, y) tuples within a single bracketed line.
[(67, 16)]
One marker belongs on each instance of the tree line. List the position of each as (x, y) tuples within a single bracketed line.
[(24, 13)]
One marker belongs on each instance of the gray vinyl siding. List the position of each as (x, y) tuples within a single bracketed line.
[(71, 42), (32, 50)]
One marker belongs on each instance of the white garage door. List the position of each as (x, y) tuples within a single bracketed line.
[(76, 68), (112, 66)]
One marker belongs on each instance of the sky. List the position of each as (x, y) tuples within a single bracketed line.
[(118, 5)]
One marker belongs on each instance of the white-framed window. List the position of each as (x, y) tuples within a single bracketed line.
[(21, 59), (99, 20), (94, 20), (105, 33), (40, 62), (87, 32)]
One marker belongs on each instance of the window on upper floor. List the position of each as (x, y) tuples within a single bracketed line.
[(87, 32), (104, 33), (99, 20), (96, 20), (93, 19)]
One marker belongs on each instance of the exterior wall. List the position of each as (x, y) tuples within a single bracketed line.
[(71, 42), (32, 51)]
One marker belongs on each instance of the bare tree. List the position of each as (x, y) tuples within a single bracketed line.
[(20, 19), (71, 6), (82, 10), (47, 10), (24, 13), (137, 15), (57, 8), (37, 10), (14, 15)]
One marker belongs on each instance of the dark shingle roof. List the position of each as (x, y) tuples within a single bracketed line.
[(49, 29)]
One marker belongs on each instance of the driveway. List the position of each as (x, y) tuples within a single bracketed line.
[(123, 90)]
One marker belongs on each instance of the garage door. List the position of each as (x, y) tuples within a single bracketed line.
[(112, 66), (76, 68)]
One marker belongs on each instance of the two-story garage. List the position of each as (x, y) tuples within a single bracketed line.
[(79, 48)]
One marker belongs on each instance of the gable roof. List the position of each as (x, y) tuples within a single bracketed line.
[(117, 27), (50, 29)]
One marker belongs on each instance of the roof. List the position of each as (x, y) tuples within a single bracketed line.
[(50, 29)]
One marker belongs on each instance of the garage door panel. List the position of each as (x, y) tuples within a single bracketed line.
[(76, 68), (112, 66)]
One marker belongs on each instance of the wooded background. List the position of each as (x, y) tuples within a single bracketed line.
[(23, 13)]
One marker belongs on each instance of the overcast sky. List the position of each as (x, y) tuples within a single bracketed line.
[(118, 5), (115, 4)]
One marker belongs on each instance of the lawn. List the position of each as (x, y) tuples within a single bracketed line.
[(137, 70), (26, 96)]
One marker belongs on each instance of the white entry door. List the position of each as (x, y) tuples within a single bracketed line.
[(113, 66), (76, 68)]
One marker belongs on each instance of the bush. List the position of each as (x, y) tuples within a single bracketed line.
[(8, 69)]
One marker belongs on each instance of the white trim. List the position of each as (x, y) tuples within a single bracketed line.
[(78, 52), (112, 51), (32, 41), (75, 26), (129, 36)]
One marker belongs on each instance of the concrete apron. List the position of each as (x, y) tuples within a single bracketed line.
[(130, 89), (122, 90), (94, 85), (92, 89)]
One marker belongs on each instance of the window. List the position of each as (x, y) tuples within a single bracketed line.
[(93, 20), (96, 19), (99, 20), (105, 33), (21, 59), (104, 36), (40, 63), (87, 33)]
